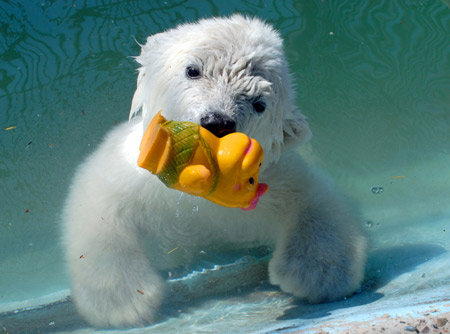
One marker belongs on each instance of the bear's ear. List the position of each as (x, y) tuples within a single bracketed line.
[(295, 129), (147, 61)]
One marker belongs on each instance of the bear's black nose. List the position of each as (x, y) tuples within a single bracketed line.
[(217, 123)]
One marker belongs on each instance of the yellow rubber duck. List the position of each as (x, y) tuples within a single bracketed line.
[(189, 158)]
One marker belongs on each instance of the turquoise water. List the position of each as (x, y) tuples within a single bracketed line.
[(372, 77)]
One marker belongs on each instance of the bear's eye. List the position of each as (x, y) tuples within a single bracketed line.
[(193, 72), (259, 106), (252, 181)]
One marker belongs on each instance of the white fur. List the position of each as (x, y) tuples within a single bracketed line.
[(121, 221)]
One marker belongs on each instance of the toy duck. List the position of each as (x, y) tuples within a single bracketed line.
[(189, 158)]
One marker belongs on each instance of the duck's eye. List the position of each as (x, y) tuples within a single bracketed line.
[(252, 181), (259, 107), (193, 72)]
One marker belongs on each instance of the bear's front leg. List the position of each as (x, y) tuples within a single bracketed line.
[(113, 283), (321, 257)]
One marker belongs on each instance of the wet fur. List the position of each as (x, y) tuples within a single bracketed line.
[(121, 221)]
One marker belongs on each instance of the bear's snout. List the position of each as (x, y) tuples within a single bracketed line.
[(218, 123)]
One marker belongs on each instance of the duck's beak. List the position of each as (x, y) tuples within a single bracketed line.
[(261, 190)]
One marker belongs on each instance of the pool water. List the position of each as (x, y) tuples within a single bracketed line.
[(373, 79)]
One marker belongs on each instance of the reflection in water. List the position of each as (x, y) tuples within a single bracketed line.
[(389, 61), (376, 94)]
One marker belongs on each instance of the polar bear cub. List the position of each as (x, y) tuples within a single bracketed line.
[(120, 221)]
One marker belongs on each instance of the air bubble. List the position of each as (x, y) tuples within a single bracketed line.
[(368, 223), (377, 190)]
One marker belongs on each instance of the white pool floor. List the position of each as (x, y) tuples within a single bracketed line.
[(409, 281)]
